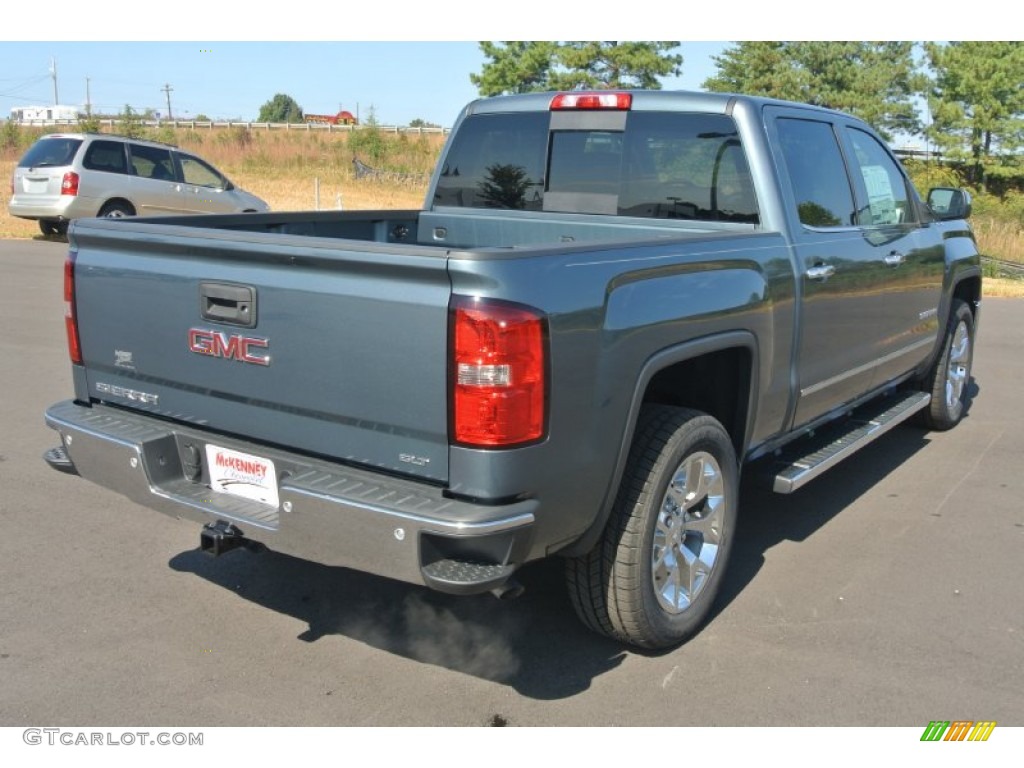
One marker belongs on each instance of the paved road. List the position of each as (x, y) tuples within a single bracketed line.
[(889, 592)]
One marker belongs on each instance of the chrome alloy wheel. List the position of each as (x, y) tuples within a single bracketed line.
[(958, 369), (688, 532)]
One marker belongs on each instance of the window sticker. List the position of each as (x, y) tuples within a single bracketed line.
[(881, 201)]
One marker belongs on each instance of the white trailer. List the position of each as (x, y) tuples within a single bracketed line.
[(44, 114)]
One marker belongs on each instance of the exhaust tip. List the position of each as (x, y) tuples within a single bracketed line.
[(510, 590)]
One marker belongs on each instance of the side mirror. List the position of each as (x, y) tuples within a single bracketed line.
[(947, 203)]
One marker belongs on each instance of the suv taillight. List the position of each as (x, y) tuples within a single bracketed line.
[(69, 186), (498, 373), (70, 312)]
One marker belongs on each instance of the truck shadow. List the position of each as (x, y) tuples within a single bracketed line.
[(534, 644), (768, 519)]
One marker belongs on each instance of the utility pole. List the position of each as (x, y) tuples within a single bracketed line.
[(167, 90), (88, 99), (53, 74)]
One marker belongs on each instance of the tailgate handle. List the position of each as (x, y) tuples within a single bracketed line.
[(231, 304)]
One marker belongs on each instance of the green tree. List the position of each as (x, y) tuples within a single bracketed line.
[(589, 65), (10, 135), (130, 123), (523, 67), (515, 67), (758, 68), (280, 109), (977, 106), (874, 80), (89, 124), (368, 139)]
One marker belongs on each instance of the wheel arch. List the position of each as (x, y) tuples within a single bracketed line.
[(968, 289), (965, 285), (728, 364), (124, 201)]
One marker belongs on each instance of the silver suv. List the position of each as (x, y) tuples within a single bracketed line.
[(68, 176)]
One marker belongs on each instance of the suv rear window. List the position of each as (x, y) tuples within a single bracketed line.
[(667, 165), (50, 152)]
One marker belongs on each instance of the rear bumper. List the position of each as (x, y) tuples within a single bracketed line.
[(59, 208), (327, 512)]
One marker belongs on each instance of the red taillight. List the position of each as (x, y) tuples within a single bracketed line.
[(69, 186), (70, 314), (498, 372), (592, 101)]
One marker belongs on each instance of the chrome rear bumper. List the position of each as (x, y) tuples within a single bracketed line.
[(327, 512)]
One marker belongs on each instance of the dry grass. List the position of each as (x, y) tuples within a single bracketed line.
[(282, 167), (1001, 288), (998, 238)]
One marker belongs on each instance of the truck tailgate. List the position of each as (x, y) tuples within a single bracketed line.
[(288, 340)]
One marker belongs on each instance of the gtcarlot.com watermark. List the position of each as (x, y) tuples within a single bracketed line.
[(71, 738)]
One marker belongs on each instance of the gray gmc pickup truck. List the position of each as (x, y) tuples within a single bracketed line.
[(611, 303)]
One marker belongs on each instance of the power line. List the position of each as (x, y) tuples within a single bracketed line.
[(167, 90)]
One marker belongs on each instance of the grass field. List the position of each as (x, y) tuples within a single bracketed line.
[(283, 167)]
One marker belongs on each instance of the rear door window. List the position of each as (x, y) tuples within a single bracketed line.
[(51, 152), (152, 162), (107, 156), (817, 173)]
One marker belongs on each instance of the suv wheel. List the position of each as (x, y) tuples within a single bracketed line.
[(116, 210)]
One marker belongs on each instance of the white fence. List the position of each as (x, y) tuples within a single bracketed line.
[(252, 126)]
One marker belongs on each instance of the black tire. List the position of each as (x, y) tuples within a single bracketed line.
[(116, 210), (628, 586), (48, 227), (62, 228), (949, 381)]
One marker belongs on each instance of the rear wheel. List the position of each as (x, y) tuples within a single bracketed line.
[(949, 380), (653, 576), (116, 210), (48, 227)]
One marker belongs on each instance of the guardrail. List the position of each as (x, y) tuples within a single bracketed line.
[(249, 125), (1002, 268)]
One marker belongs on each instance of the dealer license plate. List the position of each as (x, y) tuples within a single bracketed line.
[(242, 474)]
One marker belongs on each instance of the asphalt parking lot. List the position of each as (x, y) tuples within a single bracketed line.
[(888, 592)]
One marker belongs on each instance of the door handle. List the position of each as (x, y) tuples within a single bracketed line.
[(821, 272), (894, 259)]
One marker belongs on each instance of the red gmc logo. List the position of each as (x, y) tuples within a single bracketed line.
[(233, 346)]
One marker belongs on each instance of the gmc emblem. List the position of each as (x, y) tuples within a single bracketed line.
[(232, 346)]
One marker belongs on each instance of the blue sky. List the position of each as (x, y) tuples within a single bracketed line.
[(402, 80), (389, 54)]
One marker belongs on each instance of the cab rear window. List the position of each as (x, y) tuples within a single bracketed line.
[(47, 153), (665, 165)]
